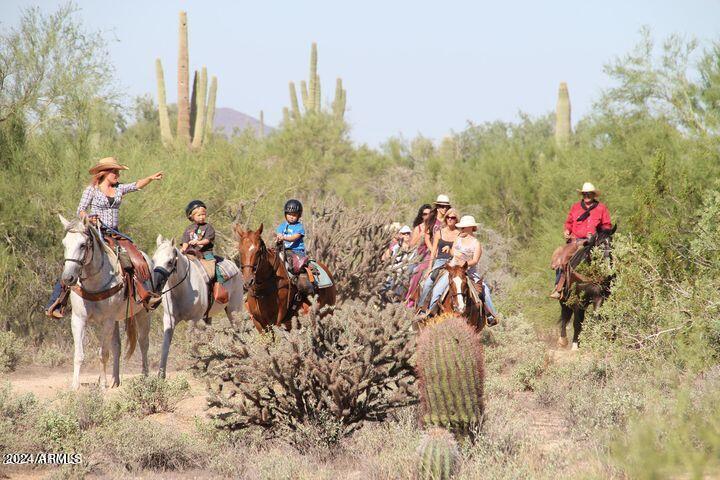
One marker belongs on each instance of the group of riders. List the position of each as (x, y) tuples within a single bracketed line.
[(439, 238)]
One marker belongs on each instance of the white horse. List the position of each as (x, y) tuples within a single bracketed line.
[(95, 268), (185, 291)]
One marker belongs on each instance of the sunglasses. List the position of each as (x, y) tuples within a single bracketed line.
[(588, 194), (443, 207), (451, 218), (406, 233), (425, 214)]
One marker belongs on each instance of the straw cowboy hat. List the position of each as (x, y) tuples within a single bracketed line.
[(467, 221), (107, 163), (589, 188), (405, 229), (442, 200)]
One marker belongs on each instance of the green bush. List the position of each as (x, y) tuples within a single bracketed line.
[(151, 394)]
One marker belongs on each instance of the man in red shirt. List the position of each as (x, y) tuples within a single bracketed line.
[(584, 219)]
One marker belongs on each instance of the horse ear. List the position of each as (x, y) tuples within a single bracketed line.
[(65, 222), (172, 242), (159, 240), (259, 230), (85, 221), (465, 266), (612, 232)]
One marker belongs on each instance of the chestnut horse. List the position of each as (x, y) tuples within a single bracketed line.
[(272, 299), (459, 300)]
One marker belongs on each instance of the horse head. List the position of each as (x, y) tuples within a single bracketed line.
[(459, 289), (78, 246), (165, 261), (603, 240), (251, 248)]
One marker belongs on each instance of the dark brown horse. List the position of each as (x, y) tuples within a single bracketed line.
[(459, 300), (272, 299), (586, 291)]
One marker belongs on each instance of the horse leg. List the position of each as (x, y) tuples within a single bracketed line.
[(143, 325), (106, 340), (168, 329), (116, 354), (577, 326), (78, 331), (565, 314)]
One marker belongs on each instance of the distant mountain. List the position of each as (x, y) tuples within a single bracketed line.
[(228, 121)]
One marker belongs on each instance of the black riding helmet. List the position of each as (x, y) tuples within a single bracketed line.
[(192, 206), (293, 206)]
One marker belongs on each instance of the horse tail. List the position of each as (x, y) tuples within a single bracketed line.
[(132, 335)]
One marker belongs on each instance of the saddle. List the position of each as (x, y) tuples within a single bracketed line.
[(211, 266), (136, 271), (302, 273)]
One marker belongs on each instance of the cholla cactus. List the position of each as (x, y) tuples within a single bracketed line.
[(563, 127), (349, 367), (438, 455), (451, 373)]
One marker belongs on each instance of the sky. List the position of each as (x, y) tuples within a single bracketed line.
[(409, 67)]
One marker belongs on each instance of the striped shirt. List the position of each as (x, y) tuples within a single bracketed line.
[(107, 210)]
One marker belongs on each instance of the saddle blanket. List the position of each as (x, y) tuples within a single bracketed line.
[(323, 279), (227, 268)]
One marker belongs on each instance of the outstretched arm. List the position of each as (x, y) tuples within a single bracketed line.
[(143, 182)]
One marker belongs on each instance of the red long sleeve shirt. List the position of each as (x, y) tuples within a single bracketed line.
[(599, 217)]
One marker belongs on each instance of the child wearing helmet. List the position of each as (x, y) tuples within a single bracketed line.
[(199, 235), (292, 232)]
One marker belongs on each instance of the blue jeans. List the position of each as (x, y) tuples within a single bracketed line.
[(437, 264), (57, 290), (442, 284)]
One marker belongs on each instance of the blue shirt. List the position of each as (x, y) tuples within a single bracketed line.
[(288, 229)]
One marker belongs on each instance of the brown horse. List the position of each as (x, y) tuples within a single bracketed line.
[(272, 299), (586, 291), (459, 300)]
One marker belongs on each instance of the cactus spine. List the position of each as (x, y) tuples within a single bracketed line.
[(438, 454), (338, 105), (200, 117), (563, 128), (165, 134), (450, 368), (183, 125)]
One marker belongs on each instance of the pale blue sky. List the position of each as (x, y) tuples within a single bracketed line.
[(409, 66)]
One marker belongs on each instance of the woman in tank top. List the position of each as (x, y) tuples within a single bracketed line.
[(465, 248), (441, 252)]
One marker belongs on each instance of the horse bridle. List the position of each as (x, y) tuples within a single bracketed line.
[(88, 256), (165, 274), (254, 266), (453, 299)]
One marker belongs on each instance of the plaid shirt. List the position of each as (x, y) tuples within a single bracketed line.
[(108, 212)]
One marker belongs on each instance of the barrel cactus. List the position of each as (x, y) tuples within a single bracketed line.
[(438, 455), (451, 372)]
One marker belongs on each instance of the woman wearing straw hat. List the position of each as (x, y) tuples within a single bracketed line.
[(465, 249), (583, 220), (100, 203)]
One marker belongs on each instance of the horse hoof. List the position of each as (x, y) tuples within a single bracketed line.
[(575, 346), (562, 342)]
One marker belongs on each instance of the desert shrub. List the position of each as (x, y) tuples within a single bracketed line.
[(151, 394), (142, 444), (51, 355), (330, 373), (527, 373), (14, 410), (351, 241), (677, 437), (11, 348)]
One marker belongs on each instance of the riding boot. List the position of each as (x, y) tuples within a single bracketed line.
[(58, 301)]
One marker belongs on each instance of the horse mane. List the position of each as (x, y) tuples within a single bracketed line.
[(76, 226)]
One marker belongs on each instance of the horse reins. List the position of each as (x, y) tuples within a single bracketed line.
[(168, 273)]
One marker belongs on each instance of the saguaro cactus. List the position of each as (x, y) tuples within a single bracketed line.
[(183, 102), (294, 101), (451, 372), (165, 133), (210, 116), (313, 90), (563, 128), (338, 105), (200, 117), (262, 123), (438, 455)]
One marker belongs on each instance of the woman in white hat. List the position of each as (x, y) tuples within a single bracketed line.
[(465, 248), (583, 220), (100, 203)]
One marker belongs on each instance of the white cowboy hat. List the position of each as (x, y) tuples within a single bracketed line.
[(589, 188), (467, 221), (442, 200), (405, 229), (107, 163)]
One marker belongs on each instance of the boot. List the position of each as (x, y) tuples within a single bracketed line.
[(556, 295)]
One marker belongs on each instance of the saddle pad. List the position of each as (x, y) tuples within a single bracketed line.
[(228, 269), (323, 279)]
